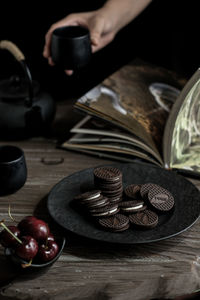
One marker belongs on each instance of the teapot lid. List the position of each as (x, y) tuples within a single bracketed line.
[(16, 87)]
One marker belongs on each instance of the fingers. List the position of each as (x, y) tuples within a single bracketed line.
[(103, 41), (96, 31), (69, 72), (99, 33), (46, 50), (50, 61), (71, 19), (94, 40)]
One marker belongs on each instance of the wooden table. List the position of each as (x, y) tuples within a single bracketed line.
[(87, 269)]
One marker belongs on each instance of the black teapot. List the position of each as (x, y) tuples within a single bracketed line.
[(25, 110)]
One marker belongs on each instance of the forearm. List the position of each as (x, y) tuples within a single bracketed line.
[(103, 23), (122, 12)]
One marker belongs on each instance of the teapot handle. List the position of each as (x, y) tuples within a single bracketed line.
[(19, 56)]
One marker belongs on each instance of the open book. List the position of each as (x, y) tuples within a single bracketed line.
[(142, 111)]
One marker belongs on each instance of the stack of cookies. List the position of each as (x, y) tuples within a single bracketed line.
[(96, 204), (115, 209), (109, 181)]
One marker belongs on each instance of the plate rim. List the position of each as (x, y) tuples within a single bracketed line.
[(94, 238)]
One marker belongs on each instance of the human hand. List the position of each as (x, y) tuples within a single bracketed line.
[(102, 31)]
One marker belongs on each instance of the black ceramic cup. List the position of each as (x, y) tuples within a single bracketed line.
[(13, 170), (70, 47)]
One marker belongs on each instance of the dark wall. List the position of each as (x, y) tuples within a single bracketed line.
[(165, 34)]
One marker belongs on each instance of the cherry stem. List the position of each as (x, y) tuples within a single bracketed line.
[(8, 230), (9, 213), (27, 265)]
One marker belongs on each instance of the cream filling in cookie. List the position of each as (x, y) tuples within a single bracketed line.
[(93, 197), (106, 213), (132, 208), (98, 203)]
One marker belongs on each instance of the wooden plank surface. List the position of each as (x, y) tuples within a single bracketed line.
[(87, 269)]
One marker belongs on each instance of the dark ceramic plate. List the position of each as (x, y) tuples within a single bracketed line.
[(185, 213)]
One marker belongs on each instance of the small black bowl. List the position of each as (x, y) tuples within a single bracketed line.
[(36, 265), (13, 169)]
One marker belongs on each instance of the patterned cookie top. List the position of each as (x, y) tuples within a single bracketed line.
[(132, 191), (161, 199), (146, 218), (145, 188), (108, 174), (115, 223)]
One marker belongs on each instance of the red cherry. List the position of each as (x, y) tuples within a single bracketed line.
[(49, 251), (50, 237), (37, 228), (30, 218), (6, 239), (28, 249)]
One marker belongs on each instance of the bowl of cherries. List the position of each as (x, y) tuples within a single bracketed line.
[(30, 244)]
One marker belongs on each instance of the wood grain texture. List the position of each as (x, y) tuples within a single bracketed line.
[(87, 269)]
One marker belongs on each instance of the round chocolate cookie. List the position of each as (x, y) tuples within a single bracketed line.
[(100, 202), (113, 193), (108, 210), (145, 188), (144, 219), (132, 191), (109, 186), (161, 199), (116, 199), (107, 174), (116, 223), (88, 196), (133, 206)]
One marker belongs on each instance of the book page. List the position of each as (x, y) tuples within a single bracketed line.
[(131, 98), (96, 127), (116, 148), (98, 137), (184, 136)]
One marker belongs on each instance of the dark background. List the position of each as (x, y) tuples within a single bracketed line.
[(166, 33)]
